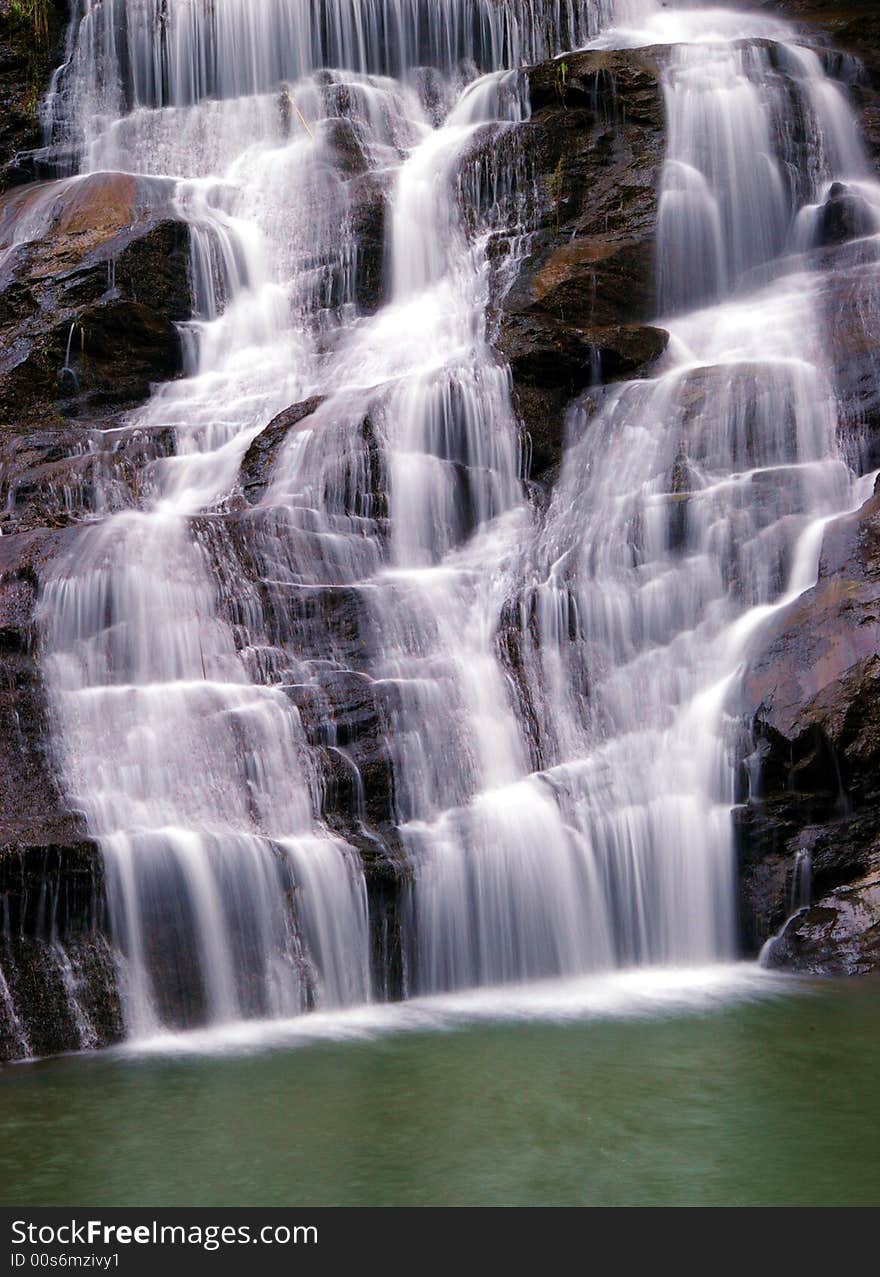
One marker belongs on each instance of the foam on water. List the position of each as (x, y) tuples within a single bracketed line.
[(642, 994)]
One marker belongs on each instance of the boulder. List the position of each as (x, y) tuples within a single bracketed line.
[(94, 281), (845, 215), (838, 936)]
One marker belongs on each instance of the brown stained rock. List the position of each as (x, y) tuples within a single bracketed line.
[(84, 212), (92, 286)]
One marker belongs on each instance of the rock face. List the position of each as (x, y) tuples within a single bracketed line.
[(94, 279), (811, 829), (851, 304), (578, 309), (31, 808)]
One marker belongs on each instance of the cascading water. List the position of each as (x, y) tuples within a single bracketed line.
[(689, 506)]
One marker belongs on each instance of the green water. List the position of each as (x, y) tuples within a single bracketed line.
[(765, 1101)]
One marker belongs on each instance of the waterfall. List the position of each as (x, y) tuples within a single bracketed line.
[(133, 54), (736, 172), (186, 641)]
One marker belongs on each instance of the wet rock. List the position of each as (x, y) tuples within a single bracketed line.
[(810, 696), (388, 893), (576, 310), (844, 216), (739, 393), (61, 474), (313, 641), (827, 633), (32, 809), (838, 936), (369, 202), (433, 91), (259, 460), (352, 483), (349, 155), (61, 995), (267, 592), (682, 482), (597, 137), (547, 352), (94, 283), (553, 361), (851, 304), (345, 714)]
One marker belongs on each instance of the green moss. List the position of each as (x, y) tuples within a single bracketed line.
[(33, 14), (561, 80)]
